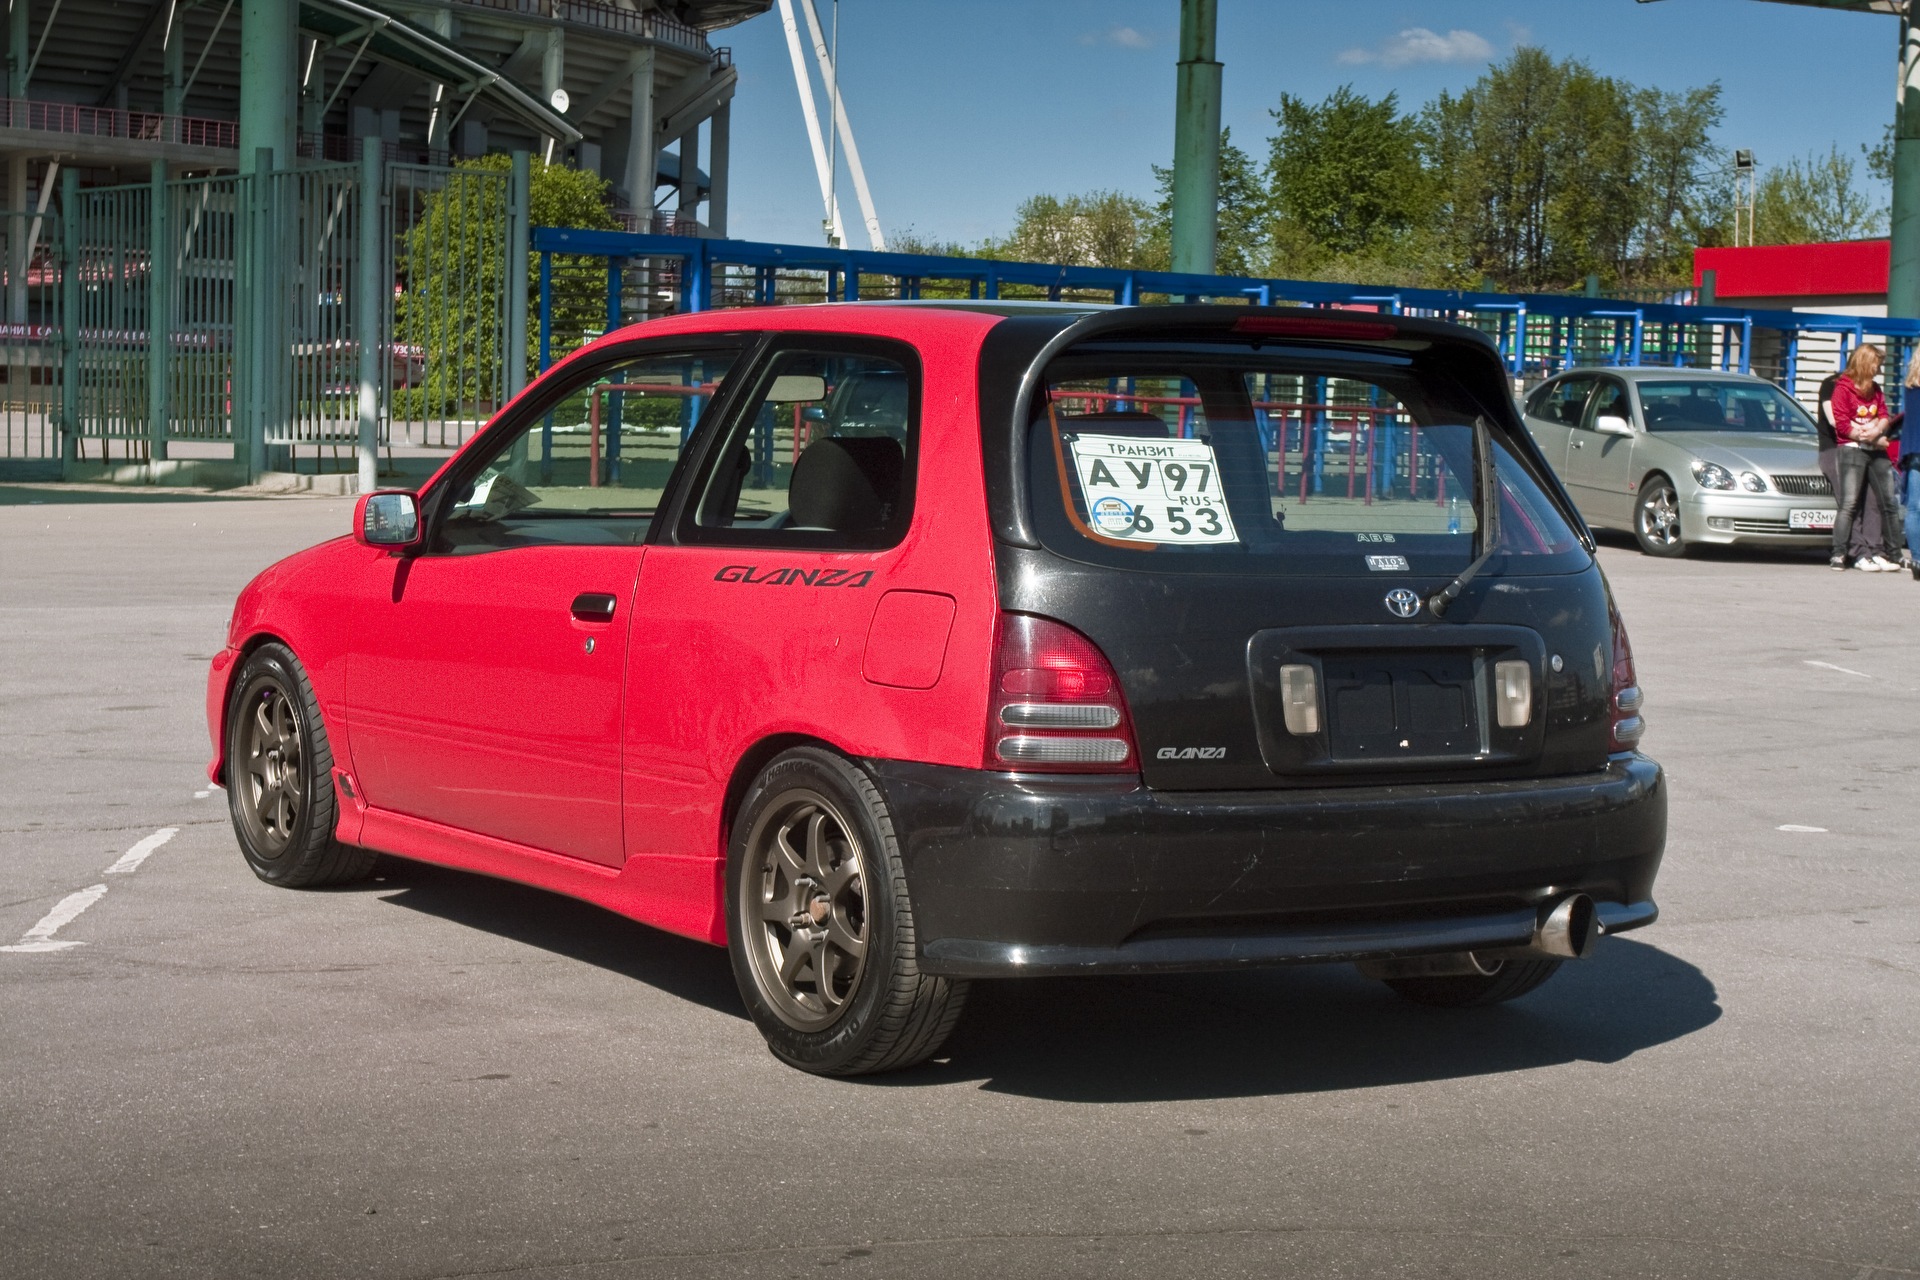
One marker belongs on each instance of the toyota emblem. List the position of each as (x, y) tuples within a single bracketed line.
[(1403, 603)]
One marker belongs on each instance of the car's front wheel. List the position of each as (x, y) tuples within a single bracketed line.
[(1656, 519), (280, 777), (821, 926)]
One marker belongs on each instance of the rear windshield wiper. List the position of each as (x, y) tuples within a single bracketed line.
[(1488, 530)]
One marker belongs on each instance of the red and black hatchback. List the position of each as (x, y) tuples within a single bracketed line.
[(897, 646)]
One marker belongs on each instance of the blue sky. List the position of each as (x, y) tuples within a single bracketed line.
[(963, 109)]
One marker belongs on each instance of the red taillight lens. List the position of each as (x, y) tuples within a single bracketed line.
[(1624, 709), (1056, 705)]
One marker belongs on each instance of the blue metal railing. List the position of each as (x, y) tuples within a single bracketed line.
[(1535, 333)]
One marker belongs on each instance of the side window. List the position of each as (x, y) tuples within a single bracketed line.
[(1565, 401), (590, 459), (1610, 399), (821, 453)]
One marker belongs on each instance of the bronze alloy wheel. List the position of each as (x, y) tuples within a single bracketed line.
[(272, 769), (806, 887)]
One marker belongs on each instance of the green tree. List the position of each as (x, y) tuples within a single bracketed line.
[(1243, 216), (1682, 188), (1539, 168), (1099, 229), (455, 250), (1345, 174), (1812, 199)]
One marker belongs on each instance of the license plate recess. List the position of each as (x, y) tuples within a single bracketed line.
[(1395, 698)]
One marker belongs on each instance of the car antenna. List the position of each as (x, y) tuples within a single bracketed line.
[(1489, 523)]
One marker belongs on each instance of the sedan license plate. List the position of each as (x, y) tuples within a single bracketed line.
[(1811, 520)]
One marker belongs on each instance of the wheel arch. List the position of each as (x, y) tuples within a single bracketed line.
[(242, 652)]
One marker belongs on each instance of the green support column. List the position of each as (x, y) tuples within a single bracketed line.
[(19, 48), (69, 317), (267, 350), (369, 293), (519, 225), (1196, 141), (1903, 281), (269, 76), (159, 316)]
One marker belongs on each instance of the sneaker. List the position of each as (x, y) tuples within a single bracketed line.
[(1882, 564), (1868, 564), (1838, 562)]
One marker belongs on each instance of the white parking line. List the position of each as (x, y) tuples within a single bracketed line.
[(130, 860), (1845, 671), (1795, 826), (40, 937)]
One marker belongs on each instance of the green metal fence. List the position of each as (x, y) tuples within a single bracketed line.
[(290, 320), (449, 232), (30, 337)]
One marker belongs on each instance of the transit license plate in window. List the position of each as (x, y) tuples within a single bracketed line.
[(1812, 520), (1142, 489)]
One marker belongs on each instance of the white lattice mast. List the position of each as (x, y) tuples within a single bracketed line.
[(843, 128), (836, 230)]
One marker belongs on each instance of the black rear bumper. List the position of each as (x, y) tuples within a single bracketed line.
[(1029, 874)]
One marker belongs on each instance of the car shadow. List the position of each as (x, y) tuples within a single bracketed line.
[(1303, 1030), (1621, 540), (692, 971), (29, 495)]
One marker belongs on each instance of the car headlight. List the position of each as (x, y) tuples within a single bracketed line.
[(1711, 475), (1752, 483)]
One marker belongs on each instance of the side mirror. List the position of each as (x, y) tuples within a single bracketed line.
[(1612, 424), (389, 518)]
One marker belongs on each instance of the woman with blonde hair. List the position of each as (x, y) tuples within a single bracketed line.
[(1860, 424)]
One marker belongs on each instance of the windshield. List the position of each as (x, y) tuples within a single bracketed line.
[(1244, 462), (1758, 408)]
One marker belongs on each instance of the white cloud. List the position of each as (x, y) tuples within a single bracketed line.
[(1125, 37), (1417, 44)]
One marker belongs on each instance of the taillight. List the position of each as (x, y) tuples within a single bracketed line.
[(1624, 709), (1056, 704)]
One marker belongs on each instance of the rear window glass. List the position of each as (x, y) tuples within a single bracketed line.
[(1210, 462)]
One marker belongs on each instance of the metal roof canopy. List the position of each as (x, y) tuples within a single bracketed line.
[(385, 38)]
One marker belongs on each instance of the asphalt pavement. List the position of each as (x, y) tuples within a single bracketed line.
[(432, 1074)]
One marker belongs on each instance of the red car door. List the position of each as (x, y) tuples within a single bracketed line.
[(484, 693), (486, 680)]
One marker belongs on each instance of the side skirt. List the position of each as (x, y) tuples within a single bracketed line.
[(679, 895)]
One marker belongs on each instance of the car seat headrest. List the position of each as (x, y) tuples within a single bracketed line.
[(1120, 423), (849, 484)]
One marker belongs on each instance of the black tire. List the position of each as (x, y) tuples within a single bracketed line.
[(1656, 519), (821, 936), (280, 777), (1513, 979)]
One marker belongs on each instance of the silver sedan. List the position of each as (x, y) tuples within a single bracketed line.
[(1685, 456)]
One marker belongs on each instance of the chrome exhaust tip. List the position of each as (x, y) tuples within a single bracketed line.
[(1567, 929)]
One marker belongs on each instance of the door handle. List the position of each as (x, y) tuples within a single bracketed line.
[(594, 606), (1578, 445)]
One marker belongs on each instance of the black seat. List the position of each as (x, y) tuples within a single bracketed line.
[(1120, 423), (849, 484)]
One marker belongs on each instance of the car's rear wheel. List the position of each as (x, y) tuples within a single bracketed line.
[(1511, 980), (821, 926), (280, 777), (1656, 519)]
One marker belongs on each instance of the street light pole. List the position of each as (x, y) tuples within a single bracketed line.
[(1196, 141)]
